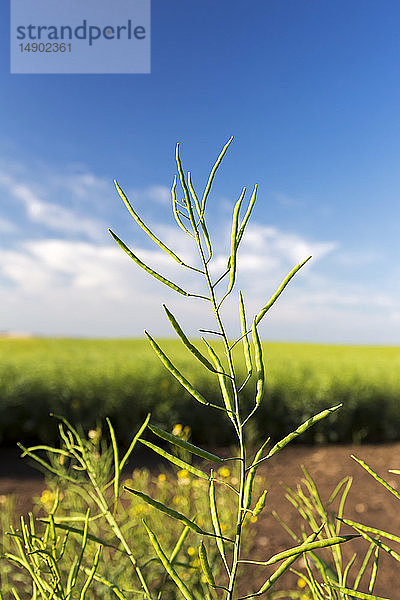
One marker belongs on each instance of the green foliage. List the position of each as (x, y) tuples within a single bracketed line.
[(124, 380), (77, 462), (331, 577), (174, 488)]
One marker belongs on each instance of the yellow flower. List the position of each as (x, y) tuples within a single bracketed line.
[(3, 499), (301, 583), (47, 497), (186, 430), (162, 477), (177, 430), (182, 474), (191, 551), (176, 500), (224, 472), (253, 519)]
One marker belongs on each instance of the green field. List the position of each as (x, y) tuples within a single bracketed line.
[(86, 380)]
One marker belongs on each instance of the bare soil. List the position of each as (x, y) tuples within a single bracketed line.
[(368, 501)]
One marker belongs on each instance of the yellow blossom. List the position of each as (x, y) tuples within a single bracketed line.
[(162, 477), (182, 474), (301, 583), (191, 551), (224, 472), (253, 519), (176, 500), (177, 430), (47, 497)]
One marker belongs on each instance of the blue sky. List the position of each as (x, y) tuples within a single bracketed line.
[(310, 90)]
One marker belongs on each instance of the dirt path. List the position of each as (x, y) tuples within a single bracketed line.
[(368, 501)]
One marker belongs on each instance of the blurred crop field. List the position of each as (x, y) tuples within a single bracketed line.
[(87, 380)]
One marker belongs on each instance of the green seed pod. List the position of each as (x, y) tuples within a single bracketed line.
[(280, 290), (247, 215), (186, 341), (243, 329), (233, 255), (173, 439), (137, 260), (144, 226), (205, 565), (301, 429), (260, 504), (215, 519), (166, 510), (221, 378), (259, 365), (171, 367), (175, 460), (251, 474), (167, 565)]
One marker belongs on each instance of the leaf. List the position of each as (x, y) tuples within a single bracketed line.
[(175, 460), (146, 268), (173, 439)]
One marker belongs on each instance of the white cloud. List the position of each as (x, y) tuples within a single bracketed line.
[(66, 277), (53, 216), (159, 194)]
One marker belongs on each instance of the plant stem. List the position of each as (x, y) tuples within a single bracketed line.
[(236, 422)]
